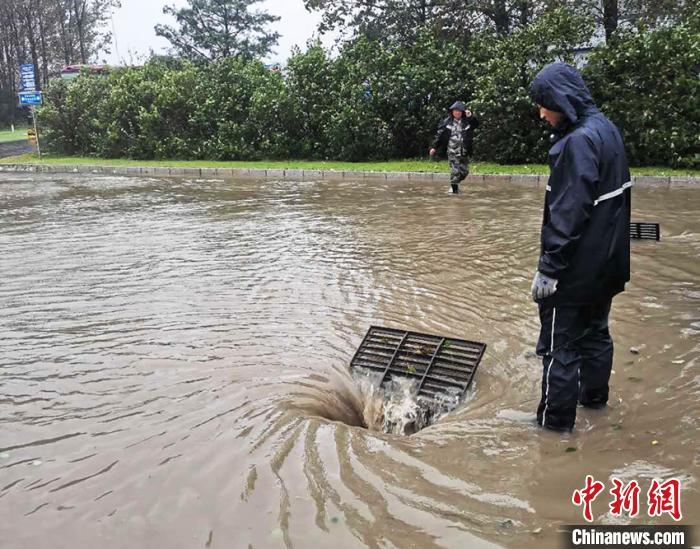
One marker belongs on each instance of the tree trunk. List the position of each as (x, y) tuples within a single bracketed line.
[(31, 37), (524, 13), (227, 32), (44, 50), (500, 17), (19, 52), (79, 9), (5, 65), (610, 18), (67, 50)]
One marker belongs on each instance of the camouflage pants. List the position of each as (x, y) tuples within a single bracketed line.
[(459, 166)]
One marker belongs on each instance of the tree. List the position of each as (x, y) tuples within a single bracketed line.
[(644, 80), (215, 29), (612, 14), (89, 17), (379, 19), (47, 33), (403, 20), (375, 100), (510, 131)]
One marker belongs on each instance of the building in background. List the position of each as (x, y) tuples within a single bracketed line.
[(71, 71)]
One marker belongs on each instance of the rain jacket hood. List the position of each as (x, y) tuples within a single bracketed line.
[(559, 87)]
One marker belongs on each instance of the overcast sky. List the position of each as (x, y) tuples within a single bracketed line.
[(135, 37)]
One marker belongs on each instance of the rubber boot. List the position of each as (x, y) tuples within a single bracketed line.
[(455, 188)]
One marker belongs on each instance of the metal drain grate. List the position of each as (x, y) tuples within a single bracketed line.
[(645, 231), (437, 363)]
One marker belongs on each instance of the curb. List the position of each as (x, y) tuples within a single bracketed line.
[(315, 175)]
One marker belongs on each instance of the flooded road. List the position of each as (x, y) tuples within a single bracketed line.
[(15, 148), (174, 365)]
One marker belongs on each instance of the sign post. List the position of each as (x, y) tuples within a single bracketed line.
[(29, 96)]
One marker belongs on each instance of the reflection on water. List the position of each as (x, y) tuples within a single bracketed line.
[(174, 365)]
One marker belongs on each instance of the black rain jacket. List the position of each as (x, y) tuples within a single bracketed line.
[(444, 132), (585, 241)]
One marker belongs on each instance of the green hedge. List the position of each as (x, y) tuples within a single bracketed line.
[(648, 83), (232, 109), (376, 101)]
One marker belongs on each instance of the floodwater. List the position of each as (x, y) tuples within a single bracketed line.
[(174, 365)]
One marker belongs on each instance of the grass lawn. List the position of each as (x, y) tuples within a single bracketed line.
[(417, 165), (7, 135)]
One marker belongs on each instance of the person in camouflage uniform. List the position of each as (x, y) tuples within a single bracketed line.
[(456, 135)]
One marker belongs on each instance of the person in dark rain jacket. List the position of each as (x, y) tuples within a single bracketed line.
[(585, 246), (455, 134)]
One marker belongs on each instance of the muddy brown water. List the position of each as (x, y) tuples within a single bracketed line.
[(174, 365)]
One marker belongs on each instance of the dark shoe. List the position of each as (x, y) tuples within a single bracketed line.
[(455, 189), (594, 400), (557, 424)]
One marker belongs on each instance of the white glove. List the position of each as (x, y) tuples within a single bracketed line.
[(543, 286)]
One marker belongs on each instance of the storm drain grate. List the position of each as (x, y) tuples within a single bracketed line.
[(438, 364), (645, 231)]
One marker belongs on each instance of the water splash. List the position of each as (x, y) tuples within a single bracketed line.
[(396, 408)]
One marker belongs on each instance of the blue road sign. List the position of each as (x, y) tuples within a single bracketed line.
[(30, 98), (27, 77)]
